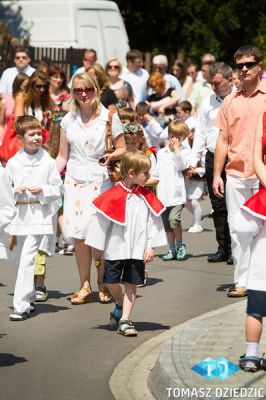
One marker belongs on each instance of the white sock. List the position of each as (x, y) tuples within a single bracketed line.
[(252, 349)]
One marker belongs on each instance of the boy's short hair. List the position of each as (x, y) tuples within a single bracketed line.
[(26, 123), (142, 108), (127, 113), (185, 106), (133, 54), (178, 129), (248, 50), (135, 160)]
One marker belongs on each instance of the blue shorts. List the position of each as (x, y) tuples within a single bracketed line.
[(256, 305), (129, 271)]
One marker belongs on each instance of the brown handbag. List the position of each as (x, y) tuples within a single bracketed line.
[(113, 166)]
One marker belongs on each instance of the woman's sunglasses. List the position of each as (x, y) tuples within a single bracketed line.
[(40, 86), (87, 90), (113, 67)]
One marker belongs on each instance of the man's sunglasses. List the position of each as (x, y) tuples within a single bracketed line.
[(21, 57), (248, 65), (87, 90)]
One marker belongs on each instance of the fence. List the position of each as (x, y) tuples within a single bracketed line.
[(67, 58)]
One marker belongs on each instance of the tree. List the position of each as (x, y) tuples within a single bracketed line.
[(194, 27)]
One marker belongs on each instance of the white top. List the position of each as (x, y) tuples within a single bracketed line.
[(152, 130), (206, 133), (201, 89), (153, 170), (87, 146), (138, 81), (7, 210), (9, 75), (122, 242), (171, 187), (34, 170)]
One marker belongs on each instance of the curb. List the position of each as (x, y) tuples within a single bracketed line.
[(131, 378)]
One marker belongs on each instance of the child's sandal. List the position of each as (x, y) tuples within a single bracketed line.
[(249, 364), (126, 328)]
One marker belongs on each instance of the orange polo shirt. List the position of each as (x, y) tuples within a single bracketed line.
[(238, 116)]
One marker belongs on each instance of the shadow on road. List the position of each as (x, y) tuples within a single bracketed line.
[(55, 294), (7, 359), (224, 287), (2, 335), (153, 281), (48, 308), (140, 326)]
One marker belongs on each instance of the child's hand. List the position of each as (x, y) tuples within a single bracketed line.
[(96, 254), (148, 255), (174, 145), (21, 189), (35, 190)]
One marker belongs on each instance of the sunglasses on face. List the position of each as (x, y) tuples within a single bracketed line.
[(87, 90), (40, 86), (21, 57), (113, 67), (248, 65)]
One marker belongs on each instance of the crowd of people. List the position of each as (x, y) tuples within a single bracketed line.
[(133, 149)]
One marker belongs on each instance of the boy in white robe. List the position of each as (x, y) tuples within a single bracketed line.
[(37, 187), (124, 230), (7, 210)]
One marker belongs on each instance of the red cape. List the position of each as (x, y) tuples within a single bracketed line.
[(256, 204), (112, 203)]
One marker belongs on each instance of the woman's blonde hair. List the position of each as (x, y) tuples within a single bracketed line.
[(85, 81), (114, 59), (178, 129), (135, 160), (157, 82)]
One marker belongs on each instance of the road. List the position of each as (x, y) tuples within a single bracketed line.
[(67, 352)]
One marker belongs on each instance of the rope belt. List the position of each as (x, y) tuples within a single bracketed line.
[(27, 202)]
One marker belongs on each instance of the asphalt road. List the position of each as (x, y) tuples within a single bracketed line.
[(67, 352)]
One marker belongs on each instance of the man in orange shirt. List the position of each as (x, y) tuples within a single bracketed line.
[(237, 120)]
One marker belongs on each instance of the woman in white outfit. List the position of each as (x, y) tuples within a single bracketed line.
[(82, 144)]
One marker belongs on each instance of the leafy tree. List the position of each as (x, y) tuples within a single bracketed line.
[(194, 27)]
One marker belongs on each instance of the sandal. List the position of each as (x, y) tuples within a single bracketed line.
[(240, 291), (105, 296), (249, 364), (126, 328), (77, 298)]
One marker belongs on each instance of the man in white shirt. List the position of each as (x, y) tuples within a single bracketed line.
[(160, 64), (220, 78), (21, 61), (136, 76)]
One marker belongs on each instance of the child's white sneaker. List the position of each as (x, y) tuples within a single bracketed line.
[(195, 229)]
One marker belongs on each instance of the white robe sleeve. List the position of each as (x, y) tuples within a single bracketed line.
[(7, 203), (98, 227), (156, 236), (52, 191)]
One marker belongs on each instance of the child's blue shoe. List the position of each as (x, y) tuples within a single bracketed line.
[(169, 256), (115, 316), (181, 253)]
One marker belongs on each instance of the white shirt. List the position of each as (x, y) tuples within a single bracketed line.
[(174, 83), (138, 81), (201, 89), (87, 146), (152, 131), (8, 76), (34, 170), (7, 210), (171, 187), (206, 133), (122, 242)]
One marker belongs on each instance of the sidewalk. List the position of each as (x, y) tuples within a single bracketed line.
[(161, 368)]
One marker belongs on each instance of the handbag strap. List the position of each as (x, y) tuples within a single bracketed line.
[(264, 138), (108, 137)]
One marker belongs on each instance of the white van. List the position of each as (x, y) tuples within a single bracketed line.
[(64, 23)]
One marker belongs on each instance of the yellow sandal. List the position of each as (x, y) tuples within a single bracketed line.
[(77, 298)]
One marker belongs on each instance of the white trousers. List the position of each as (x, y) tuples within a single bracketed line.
[(243, 227), (22, 259), (257, 271)]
